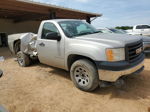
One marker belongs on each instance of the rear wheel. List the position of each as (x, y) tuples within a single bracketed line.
[(23, 59), (17, 46), (84, 75)]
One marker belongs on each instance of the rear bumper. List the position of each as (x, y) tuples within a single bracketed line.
[(111, 71)]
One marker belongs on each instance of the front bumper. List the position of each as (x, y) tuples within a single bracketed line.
[(111, 71), (146, 46), (112, 76)]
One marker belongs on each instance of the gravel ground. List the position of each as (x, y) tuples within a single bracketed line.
[(40, 88)]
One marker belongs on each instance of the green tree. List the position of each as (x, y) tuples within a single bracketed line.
[(124, 27)]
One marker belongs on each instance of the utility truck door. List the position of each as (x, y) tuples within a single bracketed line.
[(50, 46)]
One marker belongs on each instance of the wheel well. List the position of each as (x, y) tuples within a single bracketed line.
[(73, 58), (17, 46)]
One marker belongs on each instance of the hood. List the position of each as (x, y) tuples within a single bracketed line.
[(110, 39)]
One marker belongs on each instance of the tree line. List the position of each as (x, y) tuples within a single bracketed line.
[(124, 27)]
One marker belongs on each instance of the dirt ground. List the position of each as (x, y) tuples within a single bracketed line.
[(40, 88)]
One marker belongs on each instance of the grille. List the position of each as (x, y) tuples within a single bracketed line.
[(131, 51)]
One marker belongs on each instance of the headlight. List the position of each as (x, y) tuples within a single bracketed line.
[(117, 54)]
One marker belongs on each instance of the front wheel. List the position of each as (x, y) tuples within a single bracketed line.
[(23, 59), (84, 75)]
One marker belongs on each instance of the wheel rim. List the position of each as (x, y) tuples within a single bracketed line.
[(81, 76), (20, 59)]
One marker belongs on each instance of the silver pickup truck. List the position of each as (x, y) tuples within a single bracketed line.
[(76, 46)]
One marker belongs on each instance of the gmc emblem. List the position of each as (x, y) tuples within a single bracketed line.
[(139, 50)]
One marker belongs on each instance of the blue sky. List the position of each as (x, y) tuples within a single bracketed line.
[(115, 12)]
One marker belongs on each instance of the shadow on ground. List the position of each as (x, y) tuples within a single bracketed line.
[(136, 87)]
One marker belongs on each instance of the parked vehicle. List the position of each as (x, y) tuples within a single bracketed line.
[(146, 40), (143, 30), (112, 30), (74, 45), (140, 30), (119, 31), (104, 30), (146, 44)]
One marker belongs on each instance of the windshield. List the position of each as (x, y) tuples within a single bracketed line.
[(77, 28)]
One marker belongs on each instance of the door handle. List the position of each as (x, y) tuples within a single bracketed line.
[(42, 44)]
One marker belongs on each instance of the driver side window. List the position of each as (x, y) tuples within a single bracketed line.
[(48, 28)]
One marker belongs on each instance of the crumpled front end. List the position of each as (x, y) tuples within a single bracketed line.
[(28, 44)]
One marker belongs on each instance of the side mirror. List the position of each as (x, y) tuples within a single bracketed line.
[(53, 36)]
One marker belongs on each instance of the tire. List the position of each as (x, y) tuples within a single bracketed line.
[(23, 59), (84, 75), (17, 47)]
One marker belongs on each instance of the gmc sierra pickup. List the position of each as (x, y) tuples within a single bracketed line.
[(76, 46)]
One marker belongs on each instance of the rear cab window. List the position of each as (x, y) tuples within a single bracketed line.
[(142, 26)]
